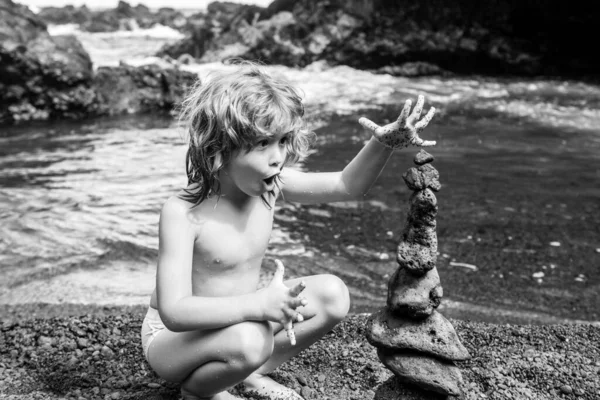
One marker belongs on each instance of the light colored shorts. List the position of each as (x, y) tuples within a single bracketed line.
[(151, 327)]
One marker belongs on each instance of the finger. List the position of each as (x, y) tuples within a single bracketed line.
[(299, 317), (298, 302), (418, 109), (290, 313), (428, 143), (404, 114), (289, 329), (419, 126), (367, 123), (296, 290), (279, 271), (417, 141)]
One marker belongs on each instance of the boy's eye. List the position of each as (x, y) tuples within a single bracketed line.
[(263, 143), (283, 140)]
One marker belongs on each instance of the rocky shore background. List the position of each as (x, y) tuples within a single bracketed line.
[(52, 77)]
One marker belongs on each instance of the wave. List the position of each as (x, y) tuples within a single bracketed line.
[(108, 251), (158, 31)]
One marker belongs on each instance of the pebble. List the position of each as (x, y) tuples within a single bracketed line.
[(562, 355), (107, 352), (307, 392), (566, 389), (302, 380), (423, 157)]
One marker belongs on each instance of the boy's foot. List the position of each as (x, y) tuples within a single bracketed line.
[(185, 395), (266, 386)]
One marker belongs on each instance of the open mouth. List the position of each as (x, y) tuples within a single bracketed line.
[(270, 179)]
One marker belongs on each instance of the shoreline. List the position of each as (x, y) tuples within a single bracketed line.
[(88, 351), (452, 309)]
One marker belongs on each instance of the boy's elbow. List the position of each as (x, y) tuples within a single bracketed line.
[(354, 191), (171, 320)]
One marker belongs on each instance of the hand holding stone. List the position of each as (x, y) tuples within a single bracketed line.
[(281, 302), (403, 132)]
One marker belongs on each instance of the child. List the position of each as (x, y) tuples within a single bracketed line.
[(208, 327)]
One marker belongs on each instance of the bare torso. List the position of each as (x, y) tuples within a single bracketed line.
[(229, 246)]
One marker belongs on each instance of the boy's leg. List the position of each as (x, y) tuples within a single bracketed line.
[(209, 362), (328, 304)]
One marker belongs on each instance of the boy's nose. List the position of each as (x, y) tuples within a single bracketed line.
[(277, 157)]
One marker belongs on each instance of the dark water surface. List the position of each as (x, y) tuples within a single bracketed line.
[(519, 210)]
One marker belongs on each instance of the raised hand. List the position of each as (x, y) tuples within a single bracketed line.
[(404, 131), (279, 302)]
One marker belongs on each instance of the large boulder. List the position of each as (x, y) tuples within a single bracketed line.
[(408, 37), (218, 33), (44, 77), (40, 76), (68, 14), (131, 90)]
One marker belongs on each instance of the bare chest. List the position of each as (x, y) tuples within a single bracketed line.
[(231, 240)]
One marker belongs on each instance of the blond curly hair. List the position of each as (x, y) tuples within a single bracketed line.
[(227, 113)]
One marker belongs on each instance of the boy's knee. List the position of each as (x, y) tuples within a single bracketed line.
[(335, 297), (253, 343)]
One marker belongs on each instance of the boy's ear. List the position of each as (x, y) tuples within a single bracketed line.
[(218, 161)]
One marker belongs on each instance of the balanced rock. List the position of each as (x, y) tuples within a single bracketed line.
[(423, 207), (412, 296), (434, 336), (423, 157), (422, 177), (426, 372), (416, 258)]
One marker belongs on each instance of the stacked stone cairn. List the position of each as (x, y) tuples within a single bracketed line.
[(413, 340)]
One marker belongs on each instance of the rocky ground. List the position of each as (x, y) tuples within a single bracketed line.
[(79, 351)]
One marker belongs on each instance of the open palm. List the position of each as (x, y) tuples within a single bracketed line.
[(404, 131)]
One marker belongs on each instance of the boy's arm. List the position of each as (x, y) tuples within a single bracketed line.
[(359, 175), (179, 310), (350, 184)]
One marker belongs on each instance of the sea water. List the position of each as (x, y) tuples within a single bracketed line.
[(80, 201)]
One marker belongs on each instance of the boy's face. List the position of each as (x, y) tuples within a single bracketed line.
[(254, 172)]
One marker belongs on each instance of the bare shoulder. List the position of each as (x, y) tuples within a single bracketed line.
[(175, 209)]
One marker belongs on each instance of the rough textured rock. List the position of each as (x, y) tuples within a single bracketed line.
[(40, 76), (417, 252), (44, 77), (225, 30), (422, 177), (413, 340), (435, 336), (416, 258), (123, 16), (413, 296), (426, 372), (127, 90), (423, 207), (417, 38), (423, 157)]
